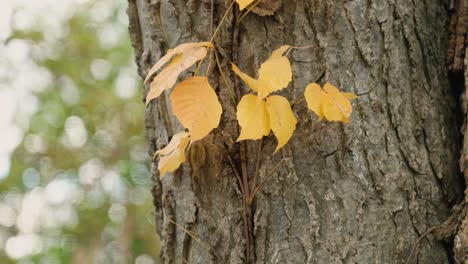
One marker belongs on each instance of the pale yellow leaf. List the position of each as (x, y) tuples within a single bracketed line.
[(168, 77), (183, 48), (251, 82), (312, 96), (173, 155), (253, 118), (282, 119), (244, 3), (197, 107)]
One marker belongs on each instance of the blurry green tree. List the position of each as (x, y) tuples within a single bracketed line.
[(77, 186)]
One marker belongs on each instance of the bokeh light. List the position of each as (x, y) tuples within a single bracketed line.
[(74, 168)]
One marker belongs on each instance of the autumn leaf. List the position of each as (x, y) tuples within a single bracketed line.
[(178, 59), (253, 118), (329, 102), (173, 155), (313, 95), (251, 82), (244, 3), (282, 119), (274, 74), (196, 105)]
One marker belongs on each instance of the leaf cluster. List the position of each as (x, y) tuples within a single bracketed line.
[(196, 105)]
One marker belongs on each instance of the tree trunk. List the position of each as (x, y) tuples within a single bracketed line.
[(357, 193)]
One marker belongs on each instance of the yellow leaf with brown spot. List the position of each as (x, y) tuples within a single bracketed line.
[(196, 105), (329, 102), (243, 3), (282, 119), (173, 155), (178, 60), (253, 118)]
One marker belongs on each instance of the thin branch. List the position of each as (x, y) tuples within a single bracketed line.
[(222, 20), (209, 63), (250, 200), (233, 166), (298, 100), (257, 167), (416, 244), (249, 10), (231, 92), (192, 235)]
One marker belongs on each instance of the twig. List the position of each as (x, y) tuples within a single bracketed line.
[(192, 235), (231, 92), (257, 167), (233, 166), (222, 20), (416, 244), (249, 10), (250, 200), (209, 63), (298, 100), (242, 149)]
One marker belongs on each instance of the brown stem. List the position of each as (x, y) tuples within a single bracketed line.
[(416, 244), (259, 187), (257, 166), (247, 212)]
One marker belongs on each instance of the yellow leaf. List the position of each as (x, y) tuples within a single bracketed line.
[(185, 56), (253, 118), (168, 77), (173, 155), (243, 3), (350, 96), (196, 106), (251, 82), (329, 102), (282, 119), (312, 95), (274, 74)]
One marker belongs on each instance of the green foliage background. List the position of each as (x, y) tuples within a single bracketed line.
[(78, 187)]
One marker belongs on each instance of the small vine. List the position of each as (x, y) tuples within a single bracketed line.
[(197, 107)]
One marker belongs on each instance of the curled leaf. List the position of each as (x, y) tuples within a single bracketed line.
[(253, 118), (197, 107), (182, 48), (180, 58), (329, 102), (173, 155), (282, 119)]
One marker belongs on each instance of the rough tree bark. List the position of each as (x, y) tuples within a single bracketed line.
[(358, 193)]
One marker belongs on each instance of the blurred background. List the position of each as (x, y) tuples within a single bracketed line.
[(74, 177)]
